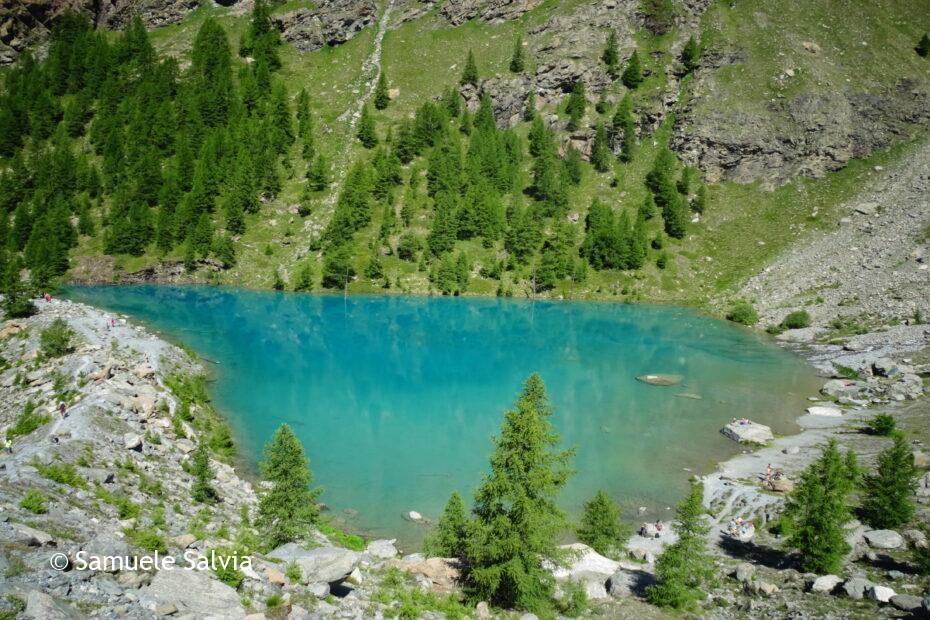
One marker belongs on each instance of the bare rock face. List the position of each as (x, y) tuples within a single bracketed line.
[(808, 135), (334, 22), (28, 22), (494, 11)]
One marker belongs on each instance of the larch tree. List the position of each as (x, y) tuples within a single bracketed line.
[(889, 491)]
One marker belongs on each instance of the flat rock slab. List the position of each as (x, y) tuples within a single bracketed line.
[(748, 432), (660, 379), (884, 539), (323, 564), (830, 412), (191, 592)]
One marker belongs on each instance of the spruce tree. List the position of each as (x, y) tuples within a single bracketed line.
[(624, 126), (17, 300), (685, 566), (600, 527), (923, 46), (575, 108), (318, 174), (303, 279), (381, 98), (601, 155), (529, 106), (449, 539), (516, 520), (366, 129), (690, 55), (633, 75), (287, 508), (517, 63), (611, 55), (889, 492), (470, 73), (817, 512), (202, 490)]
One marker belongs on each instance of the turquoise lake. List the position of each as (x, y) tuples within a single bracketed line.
[(396, 398)]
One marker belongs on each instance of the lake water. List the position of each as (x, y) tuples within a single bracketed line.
[(396, 398)]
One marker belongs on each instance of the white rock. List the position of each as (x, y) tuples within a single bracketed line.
[(749, 432), (884, 539), (832, 412), (882, 594), (826, 583)]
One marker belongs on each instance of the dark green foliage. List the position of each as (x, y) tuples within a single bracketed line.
[(883, 425), (601, 155), (624, 127), (691, 55), (744, 313), (34, 502), (557, 258), (287, 510), (381, 97), (470, 73), (685, 566), (303, 278), (889, 491), (366, 129), (55, 339), (517, 62), (516, 520), (318, 174), (601, 528), (575, 108), (817, 512), (451, 276), (202, 490), (337, 267), (611, 55), (573, 165), (923, 46), (262, 38), (633, 74), (529, 106), (921, 555), (798, 319), (449, 538), (699, 204), (17, 302)]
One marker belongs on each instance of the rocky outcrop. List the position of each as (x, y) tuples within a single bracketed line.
[(331, 22), (810, 134), (494, 11), (27, 22)]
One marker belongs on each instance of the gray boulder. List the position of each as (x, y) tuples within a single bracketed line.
[(826, 584), (626, 582), (856, 587), (191, 592), (382, 549), (884, 539), (106, 545), (907, 602), (323, 564), (41, 606)]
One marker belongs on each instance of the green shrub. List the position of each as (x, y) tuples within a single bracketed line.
[(27, 422), (62, 473), (845, 371), (798, 319), (574, 599), (228, 574), (341, 538), (743, 313), (274, 600), (34, 502), (56, 339), (883, 425), (146, 538), (293, 572)]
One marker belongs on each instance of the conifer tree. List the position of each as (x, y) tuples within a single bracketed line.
[(287, 509), (601, 528), (611, 55), (818, 512), (633, 74), (575, 108), (529, 106), (470, 73), (449, 538), (517, 62), (699, 204), (690, 55), (202, 490), (624, 126), (923, 46), (601, 155), (381, 97), (516, 520), (573, 168), (17, 300), (318, 174), (889, 492), (303, 279), (366, 129), (337, 267), (685, 566)]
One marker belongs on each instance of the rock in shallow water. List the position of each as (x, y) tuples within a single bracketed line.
[(748, 432)]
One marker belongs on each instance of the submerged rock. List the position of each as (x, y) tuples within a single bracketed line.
[(660, 379)]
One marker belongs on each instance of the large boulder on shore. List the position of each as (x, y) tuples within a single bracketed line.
[(191, 592), (748, 432), (323, 564)]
